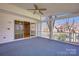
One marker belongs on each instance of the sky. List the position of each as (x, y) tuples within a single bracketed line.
[(70, 20)]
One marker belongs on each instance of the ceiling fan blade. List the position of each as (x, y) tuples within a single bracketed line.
[(42, 9), (36, 7), (40, 12), (31, 9)]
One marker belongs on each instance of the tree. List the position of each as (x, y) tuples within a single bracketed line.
[(50, 23)]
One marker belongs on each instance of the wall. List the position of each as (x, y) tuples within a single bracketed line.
[(7, 21)]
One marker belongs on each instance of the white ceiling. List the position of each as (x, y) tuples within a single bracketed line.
[(53, 8)]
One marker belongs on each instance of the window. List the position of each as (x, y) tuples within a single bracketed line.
[(67, 29)]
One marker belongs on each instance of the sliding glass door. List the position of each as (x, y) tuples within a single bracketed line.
[(18, 29), (24, 29)]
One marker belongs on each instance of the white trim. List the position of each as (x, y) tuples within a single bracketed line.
[(18, 39)]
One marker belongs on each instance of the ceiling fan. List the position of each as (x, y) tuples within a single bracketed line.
[(36, 8)]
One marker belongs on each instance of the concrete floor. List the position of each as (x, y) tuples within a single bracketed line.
[(38, 47)]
